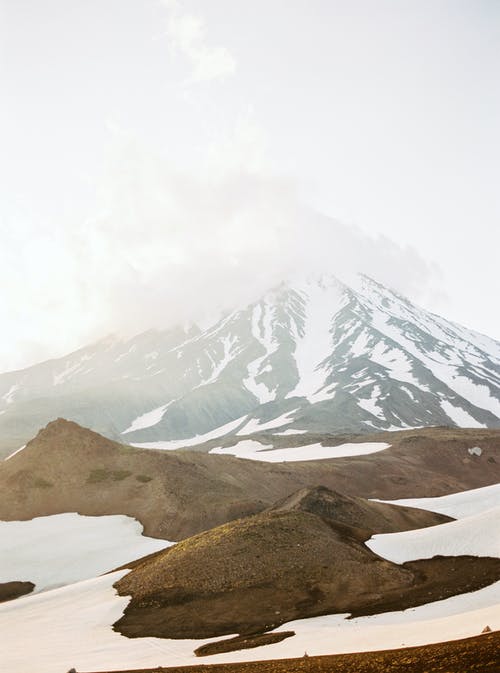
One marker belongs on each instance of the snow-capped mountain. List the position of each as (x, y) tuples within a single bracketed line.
[(318, 355)]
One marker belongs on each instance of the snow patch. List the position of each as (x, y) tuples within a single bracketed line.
[(459, 416), (314, 346), (370, 404), (476, 535), (253, 450), (16, 451), (254, 424), (228, 353), (173, 444), (396, 363), (360, 345), (148, 420), (52, 551), (457, 505), (290, 431), (262, 331)]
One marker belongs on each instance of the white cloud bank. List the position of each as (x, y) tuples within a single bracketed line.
[(169, 247)]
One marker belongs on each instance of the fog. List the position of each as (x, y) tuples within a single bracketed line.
[(169, 248), (165, 161)]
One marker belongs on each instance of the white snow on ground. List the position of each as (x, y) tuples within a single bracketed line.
[(253, 450), (456, 505), (228, 354), (477, 535), (71, 627), (262, 331), (460, 416), (291, 431), (323, 301), (478, 395), (450, 619), (51, 551), (396, 362), (16, 451), (148, 419), (370, 404), (445, 370), (254, 424), (360, 344), (171, 445)]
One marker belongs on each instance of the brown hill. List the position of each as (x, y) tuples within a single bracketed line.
[(177, 494), (367, 516), (251, 575)]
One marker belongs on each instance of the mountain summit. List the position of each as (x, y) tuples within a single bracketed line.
[(317, 355)]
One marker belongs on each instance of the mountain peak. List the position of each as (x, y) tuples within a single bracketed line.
[(321, 354)]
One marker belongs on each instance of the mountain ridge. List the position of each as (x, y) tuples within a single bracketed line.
[(335, 358), (67, 468)]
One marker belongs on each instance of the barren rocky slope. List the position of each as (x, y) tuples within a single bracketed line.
[(251, 575), (67, 468)]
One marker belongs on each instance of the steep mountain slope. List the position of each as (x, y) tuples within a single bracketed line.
[(67, 468), (312, 355)]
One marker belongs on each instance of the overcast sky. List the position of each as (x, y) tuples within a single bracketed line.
[(160, 159)]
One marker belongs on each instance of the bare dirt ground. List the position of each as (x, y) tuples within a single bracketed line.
[(252, 575), (299, 559), (11, 590), (480, 654), (67, 468)]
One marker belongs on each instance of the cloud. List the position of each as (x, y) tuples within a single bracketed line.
[(169, 247), (187, 35)]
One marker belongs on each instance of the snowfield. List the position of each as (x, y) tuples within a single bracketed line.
[(253, 450), (52, 551), (254, 425), (456, 505), (71, 627), (173, 444), (477, 535)]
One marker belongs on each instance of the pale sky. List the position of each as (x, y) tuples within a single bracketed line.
[(161, 159)]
